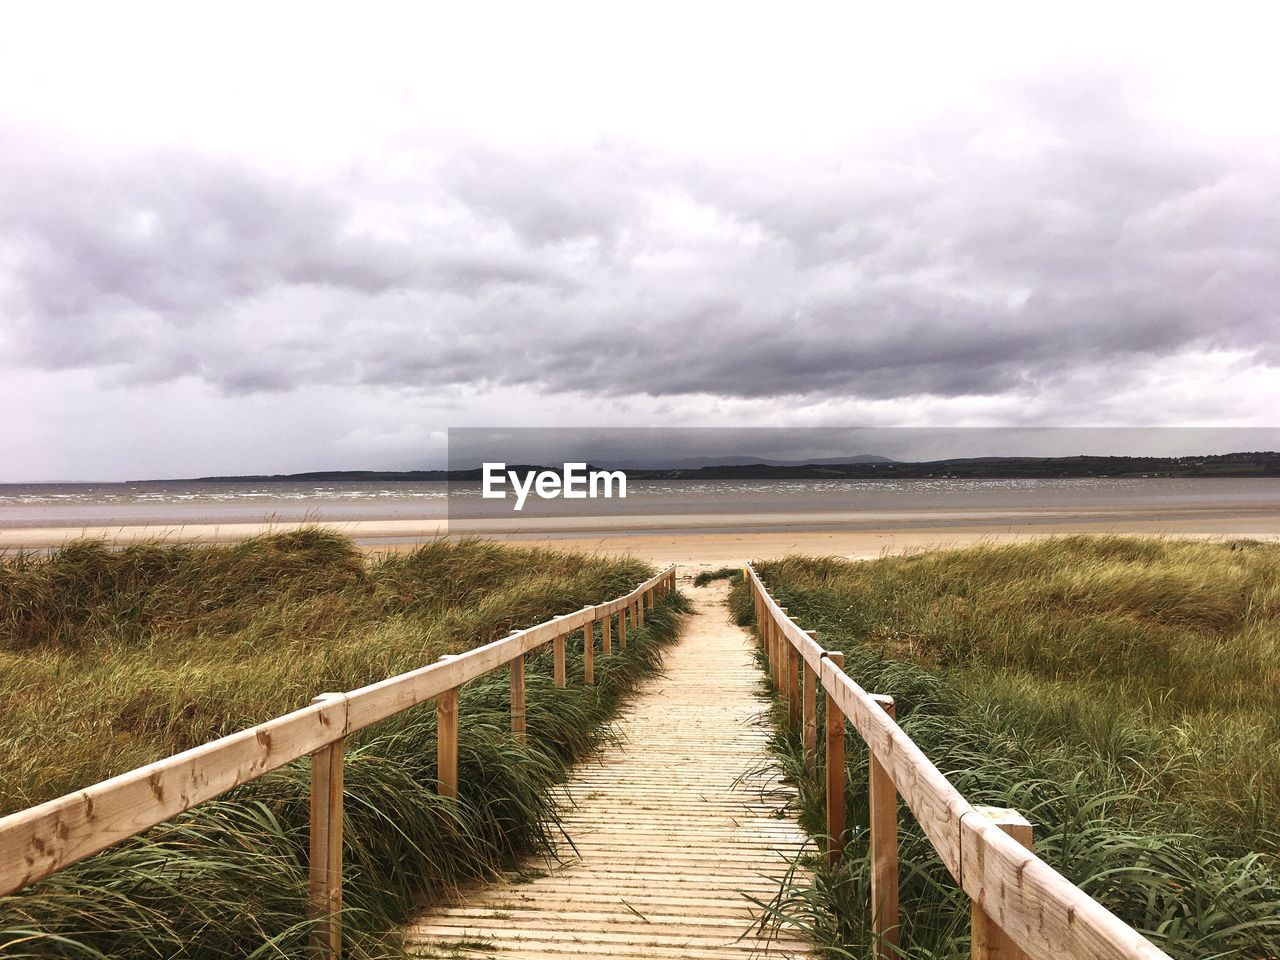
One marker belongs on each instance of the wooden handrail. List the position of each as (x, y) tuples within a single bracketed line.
[(46, 838), (1045, 915)]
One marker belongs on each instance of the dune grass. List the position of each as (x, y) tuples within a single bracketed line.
[(1122, 693), (720, 573), (110, 659)]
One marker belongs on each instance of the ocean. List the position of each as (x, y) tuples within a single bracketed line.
[(175, 503)]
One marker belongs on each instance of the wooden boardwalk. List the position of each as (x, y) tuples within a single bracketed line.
[(670, 840)]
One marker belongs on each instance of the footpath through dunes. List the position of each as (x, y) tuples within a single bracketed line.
[(671, 832)]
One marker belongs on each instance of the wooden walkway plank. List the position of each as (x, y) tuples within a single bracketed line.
[(672, 834)]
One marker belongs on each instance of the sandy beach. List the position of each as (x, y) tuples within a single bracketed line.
[(694, 524), (699, 551), (707, 541)]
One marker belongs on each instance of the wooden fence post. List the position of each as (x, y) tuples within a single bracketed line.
[(780, 643), (989, 941), (517, 698), (884, 851), (810, 712), (447, 743), (792, 663), (589, 653), (763, 624), (325, 868), (766, 634), (557, 660), (771, 648), (606, 638), (835, 770), (639, 608), (622, 628)]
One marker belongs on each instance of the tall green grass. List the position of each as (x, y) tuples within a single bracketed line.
[(1121, 693), (115, 658)]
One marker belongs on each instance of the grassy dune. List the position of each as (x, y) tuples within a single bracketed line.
[(110, 659), (1123, 693)]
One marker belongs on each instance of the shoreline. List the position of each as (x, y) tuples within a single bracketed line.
[(710, 540)]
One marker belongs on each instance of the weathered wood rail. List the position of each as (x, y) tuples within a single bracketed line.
[(1022, 907), (39, 841)]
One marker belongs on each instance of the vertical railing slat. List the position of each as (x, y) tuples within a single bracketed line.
[(557, 661), (447, 743), (775, 632), (325, 868), (835, 770), (517, 698), (809, 711), (989, 941), (883, 800), (793, 685)]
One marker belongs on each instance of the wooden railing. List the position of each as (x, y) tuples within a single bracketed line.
[(1021, 906), (44, 839)]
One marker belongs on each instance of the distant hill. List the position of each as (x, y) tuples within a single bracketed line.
[(695, 463), (862, 467), (323, 476), (1260, 464)]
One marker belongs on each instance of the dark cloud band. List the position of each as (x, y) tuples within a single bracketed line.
[(950, 266)]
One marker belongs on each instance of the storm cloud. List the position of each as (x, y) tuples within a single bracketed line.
[(1061, 243)]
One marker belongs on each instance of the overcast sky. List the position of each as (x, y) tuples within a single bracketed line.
[(277, 238)]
